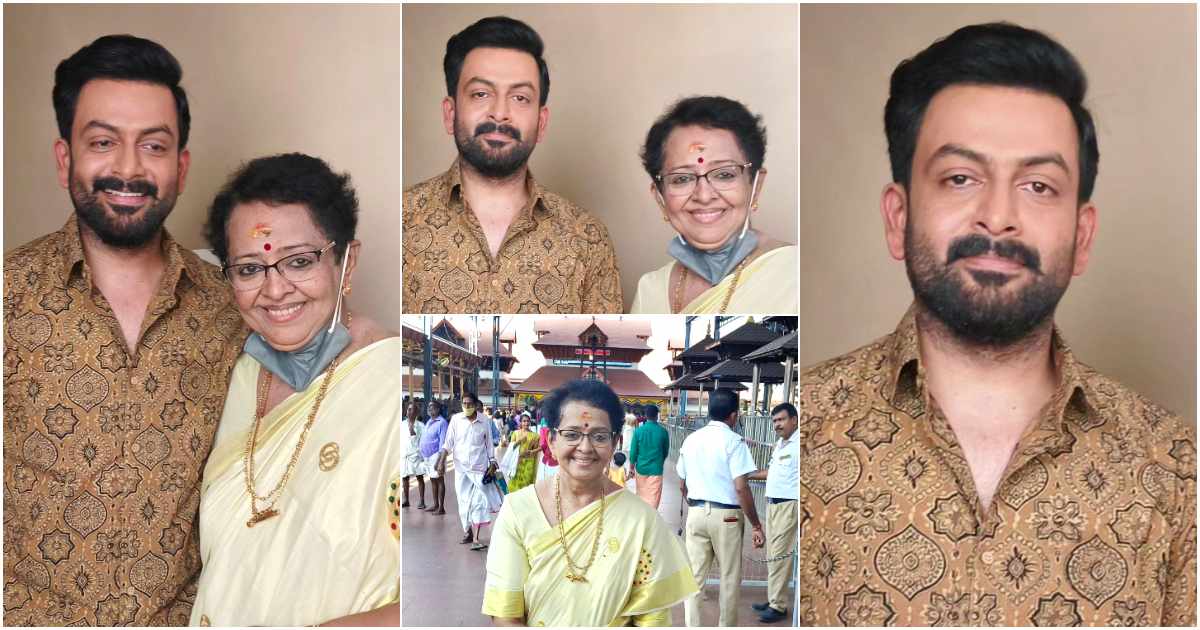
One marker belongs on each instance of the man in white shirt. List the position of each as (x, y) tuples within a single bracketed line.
[(782, 476), (469, 442), (714, 466)]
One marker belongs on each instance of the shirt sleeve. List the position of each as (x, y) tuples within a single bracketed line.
[(1179, 605), (740, 461), (680, 469), (448, 438), (602, 288), (507, 569)]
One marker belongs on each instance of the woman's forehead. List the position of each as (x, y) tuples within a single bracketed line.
[(578, 413)]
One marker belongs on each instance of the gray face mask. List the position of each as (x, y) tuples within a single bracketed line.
[(300, 368), (715, 265)]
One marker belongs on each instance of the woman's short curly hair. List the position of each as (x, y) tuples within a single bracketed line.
[(289, 178)]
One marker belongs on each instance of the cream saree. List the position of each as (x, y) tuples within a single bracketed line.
[(768, 285), (640, 569), (332, 550)]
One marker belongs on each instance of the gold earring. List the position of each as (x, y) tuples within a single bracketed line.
[(346, 291)]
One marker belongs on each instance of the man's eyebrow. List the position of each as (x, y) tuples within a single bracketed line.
[(100, 124), (950, 149), (1049, 158), (522, 84)]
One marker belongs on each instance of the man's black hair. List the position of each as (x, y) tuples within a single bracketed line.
[(1000, 54), (619, 459), (290, 178), (788, 407), (441, 409), (472, 396), (710, 112), (651, 412), (592, 393), (120, 58), (721, 403), (495, 32)]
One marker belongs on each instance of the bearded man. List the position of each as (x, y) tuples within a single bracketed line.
[(967, 469), (118, 344), (484, 237)]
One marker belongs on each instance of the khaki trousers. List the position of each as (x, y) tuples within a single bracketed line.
[(781, 538), (714, 533)]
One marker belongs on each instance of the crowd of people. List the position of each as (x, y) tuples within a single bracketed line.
[(551, 481)]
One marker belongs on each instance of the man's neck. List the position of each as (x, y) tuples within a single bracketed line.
[(489, 197), (953, 363)]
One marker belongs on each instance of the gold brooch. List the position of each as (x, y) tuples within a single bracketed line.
[(330, 456)]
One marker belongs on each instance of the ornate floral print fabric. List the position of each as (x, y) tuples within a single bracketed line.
[(555, 258), (1092, 524), (103, 448)]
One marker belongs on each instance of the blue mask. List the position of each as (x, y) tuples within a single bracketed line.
[(300, 368), (715, 265)]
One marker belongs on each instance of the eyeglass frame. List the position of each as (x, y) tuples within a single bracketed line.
[(275, 265), (699, 176), (612, 436)]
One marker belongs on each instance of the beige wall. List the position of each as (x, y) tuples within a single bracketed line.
[(260, 80), (1133, 314), (613, 70)]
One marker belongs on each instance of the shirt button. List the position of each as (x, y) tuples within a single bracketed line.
[(987, 557), (137, 380)]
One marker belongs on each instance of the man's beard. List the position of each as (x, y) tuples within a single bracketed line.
[(121, 231), (984, 315), (486, 161)]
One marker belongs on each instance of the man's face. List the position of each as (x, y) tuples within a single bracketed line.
[(123, 166), (495, 117), (432, 410), (469, 405), (993, 231), (784, 424)]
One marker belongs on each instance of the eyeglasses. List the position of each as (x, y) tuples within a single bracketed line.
[(682, 183), (597, 438), (295, 268)]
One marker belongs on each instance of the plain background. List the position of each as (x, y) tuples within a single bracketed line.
[(260, 80), (614, 69), (1132, 314)]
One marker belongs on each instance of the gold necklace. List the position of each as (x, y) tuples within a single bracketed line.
[(576, 574), (677, 306), (257, 516)]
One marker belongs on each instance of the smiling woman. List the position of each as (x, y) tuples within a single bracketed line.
[(576, 549), (705, 160), (284, 229)]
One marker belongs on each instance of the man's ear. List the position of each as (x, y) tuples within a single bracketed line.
[(893, 207)]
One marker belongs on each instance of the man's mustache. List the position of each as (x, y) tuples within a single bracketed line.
[(978, 244), (139, 186), (491, 127)]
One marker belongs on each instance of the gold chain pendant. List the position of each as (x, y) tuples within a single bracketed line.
[(261, 516), (576, 577)]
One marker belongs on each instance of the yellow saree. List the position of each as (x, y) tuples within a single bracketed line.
[(331, 551), (767, 285), (640, 569)]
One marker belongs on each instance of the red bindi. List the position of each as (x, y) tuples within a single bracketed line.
[(700, 160), (266, 247)]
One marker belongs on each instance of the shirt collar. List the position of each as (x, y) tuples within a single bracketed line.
[(535, 191), (177, 264), (905, 374)]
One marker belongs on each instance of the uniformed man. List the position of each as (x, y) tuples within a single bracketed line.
[(714, 467), (782, 477)]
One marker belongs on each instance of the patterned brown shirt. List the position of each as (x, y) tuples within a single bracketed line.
[(555, 258), (1093, 522), (104, 448)]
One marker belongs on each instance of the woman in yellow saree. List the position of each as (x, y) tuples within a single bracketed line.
[(526, 442), (576, 549), (705, 161), (299, 505)]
